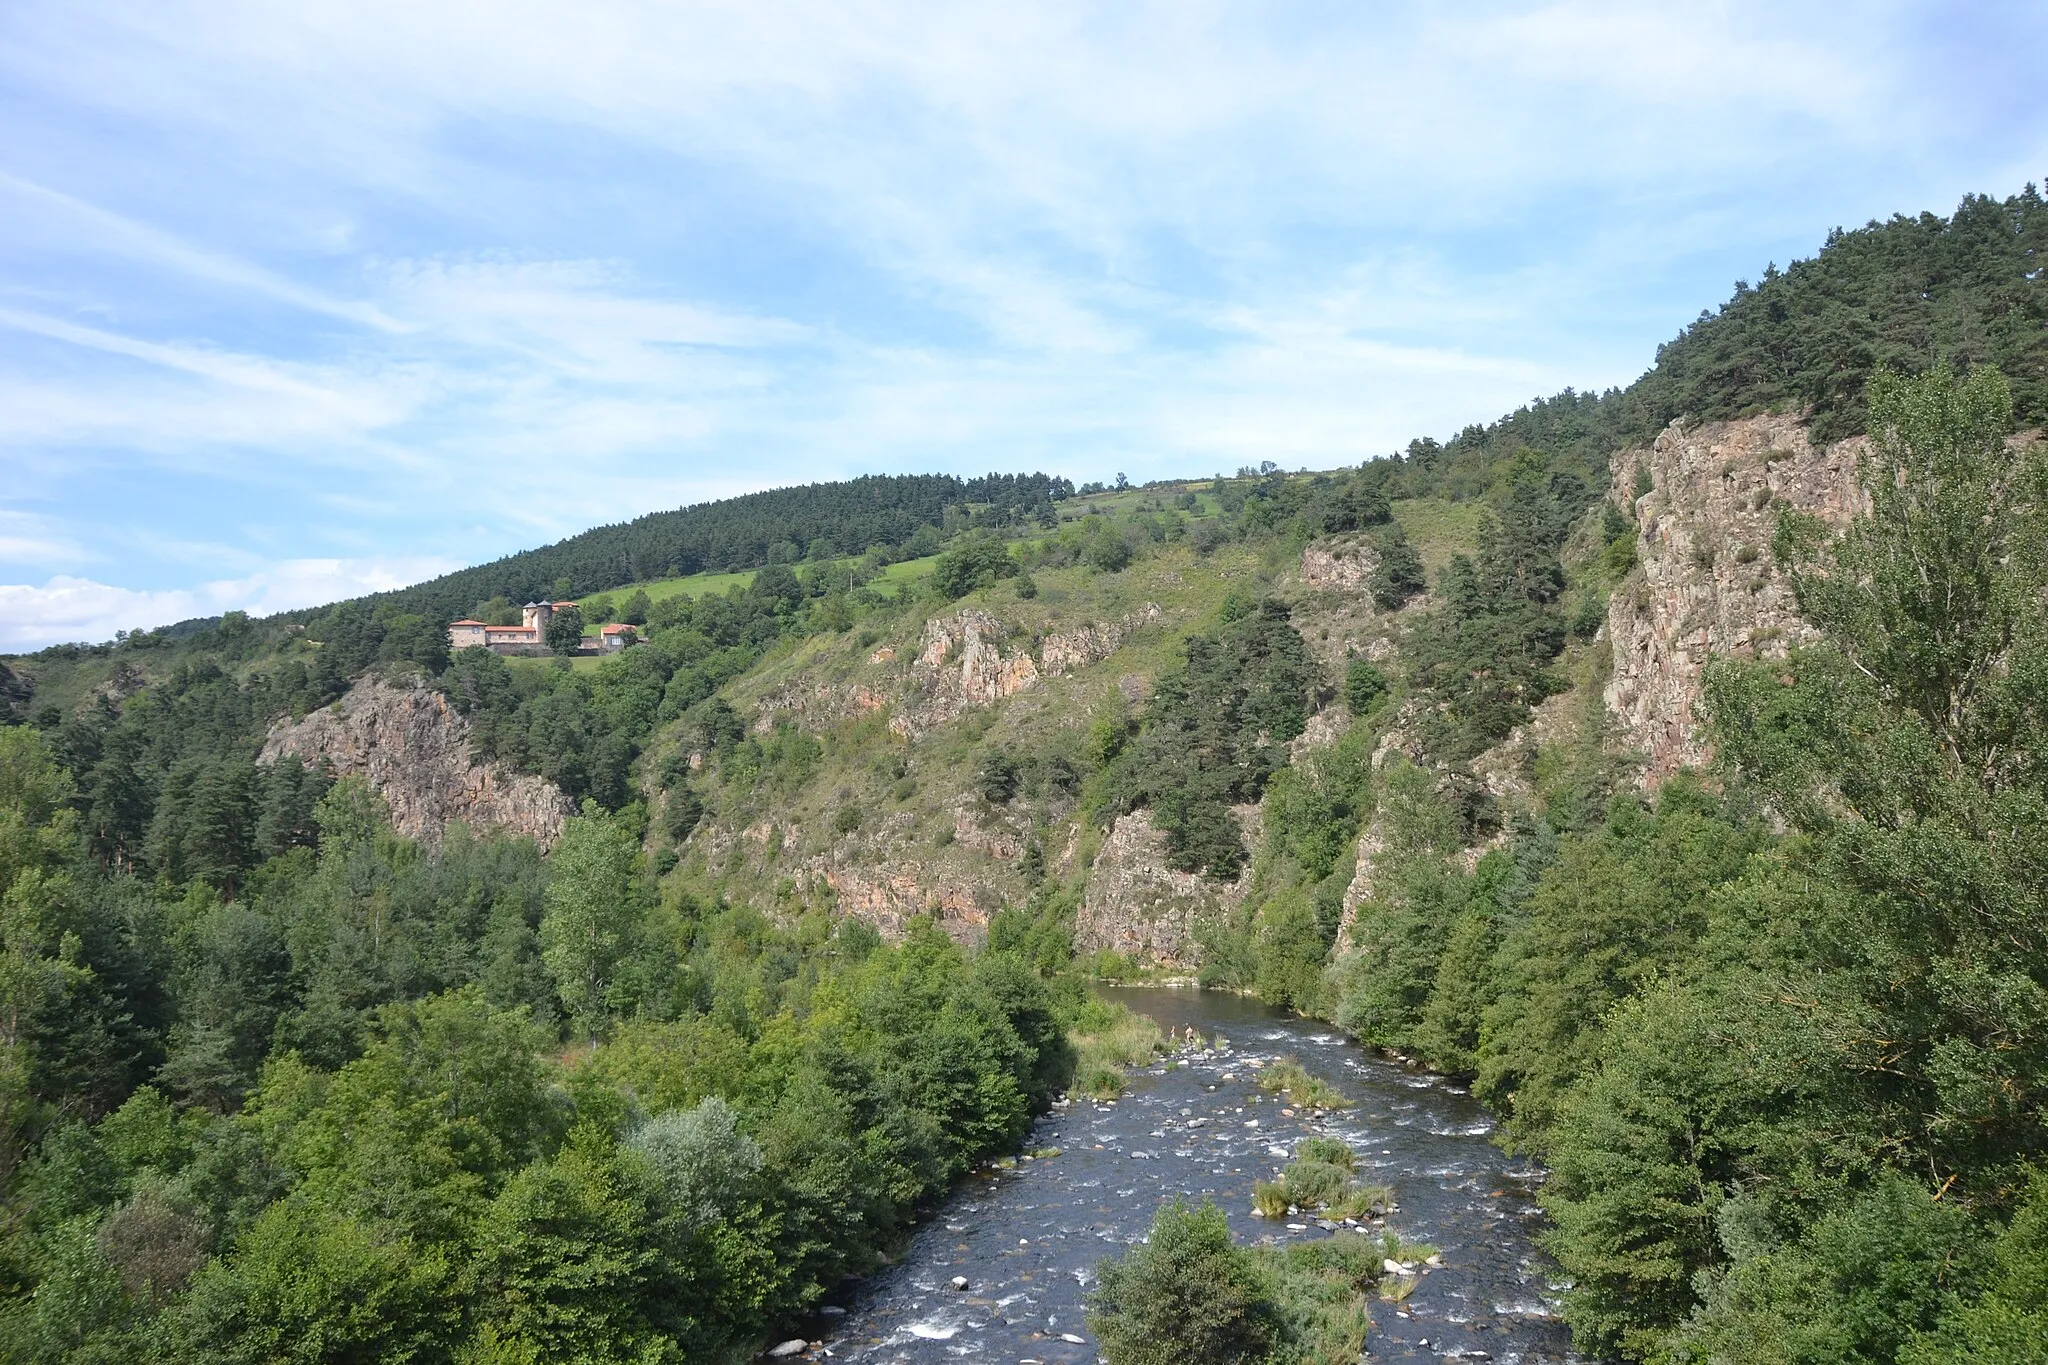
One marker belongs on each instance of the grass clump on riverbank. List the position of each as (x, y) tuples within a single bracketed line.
[(1323, 1176), (1189, 1295), (1108, 1040), (1288, 1076)]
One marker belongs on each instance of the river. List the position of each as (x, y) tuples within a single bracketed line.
[(1027, 1238)]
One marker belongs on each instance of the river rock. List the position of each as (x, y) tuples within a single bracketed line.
[(788, 1350)]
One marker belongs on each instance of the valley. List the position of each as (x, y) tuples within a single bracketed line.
[(1633, 806)]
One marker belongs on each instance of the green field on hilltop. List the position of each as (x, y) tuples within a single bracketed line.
[(892, 580)]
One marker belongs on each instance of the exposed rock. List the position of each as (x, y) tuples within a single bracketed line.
[(1324, 728), (1706, 584), (1138, 905), (413, 747), (1000, 844), (817, 703), (888, 895), (1343, 563), (941, 688), (1373, 842), (1065, 652)]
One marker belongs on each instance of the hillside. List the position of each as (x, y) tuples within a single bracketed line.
[(1616, 758)]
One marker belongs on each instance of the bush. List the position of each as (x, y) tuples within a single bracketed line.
[(1107, 552), (998, 779), (1332, 1151), (1186, 1296), (1362, 1201), (974, 561), (1364, 687), (565, 631), (1312, 1184), (1310, 1092), (1399, 575), (682, 814), (1109, 1042)]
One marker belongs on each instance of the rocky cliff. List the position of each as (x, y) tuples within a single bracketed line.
[(1706, 499), (413, 747), (1137, 905), (970, 659)]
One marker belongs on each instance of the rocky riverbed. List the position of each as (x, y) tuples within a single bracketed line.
[(1002, 1272)]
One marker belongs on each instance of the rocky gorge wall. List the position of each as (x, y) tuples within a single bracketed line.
[(1705, 583), (1137, 904), (413, 747)]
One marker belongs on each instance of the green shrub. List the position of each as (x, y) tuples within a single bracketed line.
[(1187, 1296), (1312, 1184), (974, 561), (1269, 1198), (1289, 1077), (1399, 574), (1108, 1042), (1333, 1151), (682, 812), (1364, 687), (997, 781), (1362, 1201)]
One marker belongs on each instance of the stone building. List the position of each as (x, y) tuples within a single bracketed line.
[(530, 636)]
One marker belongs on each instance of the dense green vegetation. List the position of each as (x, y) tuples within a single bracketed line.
[(1216, 731), (363, 1139), (1788, 1084), (1188, 1295), (780, 526)]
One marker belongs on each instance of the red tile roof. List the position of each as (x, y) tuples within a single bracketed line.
[(467, 623), (615, 630)]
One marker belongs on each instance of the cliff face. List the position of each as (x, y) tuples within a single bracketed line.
[(1343, 563), (413, 747), (963, 664), (1136, 904), (1705, 583)]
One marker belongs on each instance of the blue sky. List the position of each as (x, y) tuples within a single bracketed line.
[(299, 300)]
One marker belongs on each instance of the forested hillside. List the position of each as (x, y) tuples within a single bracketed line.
[(780, 526), (276, 1083)]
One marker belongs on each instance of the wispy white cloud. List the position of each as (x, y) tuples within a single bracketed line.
[(68, 608), (87, 226)]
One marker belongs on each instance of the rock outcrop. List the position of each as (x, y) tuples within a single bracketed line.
[(962, 664), (1138, 905), (889, 895), (1342, 563), (1066, 651), (413, 747), (1705, 583)]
